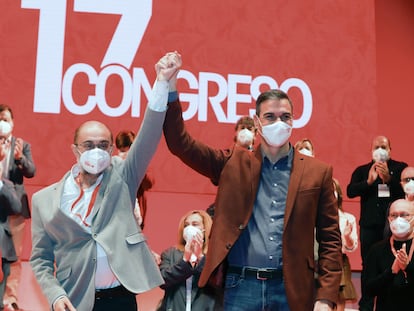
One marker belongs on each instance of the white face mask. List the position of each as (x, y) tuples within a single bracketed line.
[(5, 128), (190, 232), (245, 137), (409, 187), (276, 134), (306, 152), (95, 161), (380, 155), (400, 227)]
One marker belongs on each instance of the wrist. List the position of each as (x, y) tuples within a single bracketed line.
[(18, 160)]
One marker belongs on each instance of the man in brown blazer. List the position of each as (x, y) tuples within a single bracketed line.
[(268, 204)]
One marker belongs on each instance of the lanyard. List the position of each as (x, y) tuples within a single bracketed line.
[(90, 206)]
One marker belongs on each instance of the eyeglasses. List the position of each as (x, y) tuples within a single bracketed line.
[(284, 117), (89, 145), (407, 179), (406, 216)]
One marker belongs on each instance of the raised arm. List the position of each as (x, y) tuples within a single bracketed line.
[(145, 144)]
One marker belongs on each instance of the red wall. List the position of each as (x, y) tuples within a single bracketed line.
[(355, 57)]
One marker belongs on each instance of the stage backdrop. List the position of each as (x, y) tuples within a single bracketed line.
[(65, 62)]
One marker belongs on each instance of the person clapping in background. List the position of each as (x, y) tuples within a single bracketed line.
[(181, 266), (390, 270)]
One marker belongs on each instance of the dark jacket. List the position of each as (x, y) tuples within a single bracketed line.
[(393, 291), (175, 271), (18, 169), (373, 210), (310, 204), (9, 205)]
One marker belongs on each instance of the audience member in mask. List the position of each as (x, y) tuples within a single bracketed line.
[(390, 268), (273, 192), (245, 133), (182, 264), (88, 252), (17, 163), (348, 227), (305, 146), (407, 182), (377, 183)]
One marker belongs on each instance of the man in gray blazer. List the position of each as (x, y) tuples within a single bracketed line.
[(88, 252)]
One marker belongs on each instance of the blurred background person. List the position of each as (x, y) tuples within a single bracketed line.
[(390, 269), (348, 227), (305, 146), (245, 133), (181, 266), (17, 164)]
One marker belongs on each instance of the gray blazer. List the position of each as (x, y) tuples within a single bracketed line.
[(57, 239), (18, 169)]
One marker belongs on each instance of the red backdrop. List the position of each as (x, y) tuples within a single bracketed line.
[(64, 62)]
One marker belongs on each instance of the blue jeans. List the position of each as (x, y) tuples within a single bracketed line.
[(243, 293)]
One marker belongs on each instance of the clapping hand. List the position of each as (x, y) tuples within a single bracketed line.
[(401, 260), (372, 174), (193, 249), (348, 228), (383, 172), (18, 149)]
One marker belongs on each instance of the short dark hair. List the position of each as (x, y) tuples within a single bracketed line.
[(271, 94), (246, 121), (4, 107), (124, 139)]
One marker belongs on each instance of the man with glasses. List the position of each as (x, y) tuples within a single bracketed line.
[(268, 204), (377, 183), (407, 182), (390, 268), (88, 251)]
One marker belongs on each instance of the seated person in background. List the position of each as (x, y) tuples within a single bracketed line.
[(9, 205), (390, 270), (123, 142), (181, 266), (305, 146), (407, 182), (347, 225)]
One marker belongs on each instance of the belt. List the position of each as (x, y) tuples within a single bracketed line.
[(258, 273), (114, 292)]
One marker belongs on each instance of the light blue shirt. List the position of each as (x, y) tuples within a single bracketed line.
[(260, 244)]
